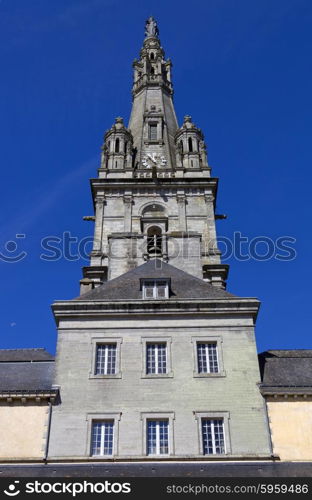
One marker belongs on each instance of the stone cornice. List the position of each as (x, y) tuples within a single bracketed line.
[(223, 307), (23, 396), (146, 181), (274, 392)]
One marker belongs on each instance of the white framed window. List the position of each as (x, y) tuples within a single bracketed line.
[(207, 357), (157, 437), (158, 434), (156, 358), (106, 357), (155, 289), (102, 434), (213, 433), (102, 441), (213, 436)]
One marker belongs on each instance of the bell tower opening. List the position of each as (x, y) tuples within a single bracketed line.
[(154, 241)]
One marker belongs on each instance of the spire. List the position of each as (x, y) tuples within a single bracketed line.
[(153, 146), (153, 121)]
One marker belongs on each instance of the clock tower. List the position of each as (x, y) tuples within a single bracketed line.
[(154, 195)]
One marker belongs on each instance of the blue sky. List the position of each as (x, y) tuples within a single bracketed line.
[(241, 68)]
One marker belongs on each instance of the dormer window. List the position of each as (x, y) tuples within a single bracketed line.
[(155, 289)]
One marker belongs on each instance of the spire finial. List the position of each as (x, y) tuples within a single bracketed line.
[(151, 28)]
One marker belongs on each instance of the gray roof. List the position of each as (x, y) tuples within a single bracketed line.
[(186, 470), (26, 370), (127, 286), (286, 368), (38, 354)]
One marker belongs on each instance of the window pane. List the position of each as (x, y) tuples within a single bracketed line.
[(153, 132), (149, 292), (156, 358), (157, 437), (102, 438), (161, 287), (151, 438), (161, 292), (219, 436), (150, 358), (213, 436), (158, 289), (106, 359), (163, 437), (207, 358)]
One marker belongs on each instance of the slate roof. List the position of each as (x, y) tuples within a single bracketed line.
[(127, 286), (160, 470), (26, 370), (38, 354), (286, 368)]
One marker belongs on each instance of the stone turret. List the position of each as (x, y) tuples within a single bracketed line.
[(190, 146), (117, 150)]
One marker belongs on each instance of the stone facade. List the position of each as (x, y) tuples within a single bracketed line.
[(182, 393)]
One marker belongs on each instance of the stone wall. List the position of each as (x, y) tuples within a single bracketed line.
[(23, 429)]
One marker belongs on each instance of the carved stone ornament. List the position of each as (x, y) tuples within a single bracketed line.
[(151, 28)]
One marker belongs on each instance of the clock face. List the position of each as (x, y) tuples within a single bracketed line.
[(151, 160)]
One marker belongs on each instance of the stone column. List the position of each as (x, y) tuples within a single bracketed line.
[(211, 244), (181, 199), (128, 200), (98, 229)]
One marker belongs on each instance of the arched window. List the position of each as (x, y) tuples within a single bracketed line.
[(152, 56), (181, 147), (154, 241), (108, 146), (125, 146), (190, 144), (153, 210), (152, 70), (117, 145)]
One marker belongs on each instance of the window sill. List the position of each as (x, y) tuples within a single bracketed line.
[(115, 375), (209, 375), (157, 375), (161, 455)]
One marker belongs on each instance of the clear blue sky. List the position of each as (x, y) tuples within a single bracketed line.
[(241, 68)]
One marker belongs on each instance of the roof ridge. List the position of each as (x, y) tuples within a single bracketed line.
[(26, 349)]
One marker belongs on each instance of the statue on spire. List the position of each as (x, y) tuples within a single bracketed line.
[(151, 28)]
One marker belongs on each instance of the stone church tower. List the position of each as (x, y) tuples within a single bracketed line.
[(155, 359)]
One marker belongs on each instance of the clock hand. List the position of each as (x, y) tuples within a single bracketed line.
[(151, 157)]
